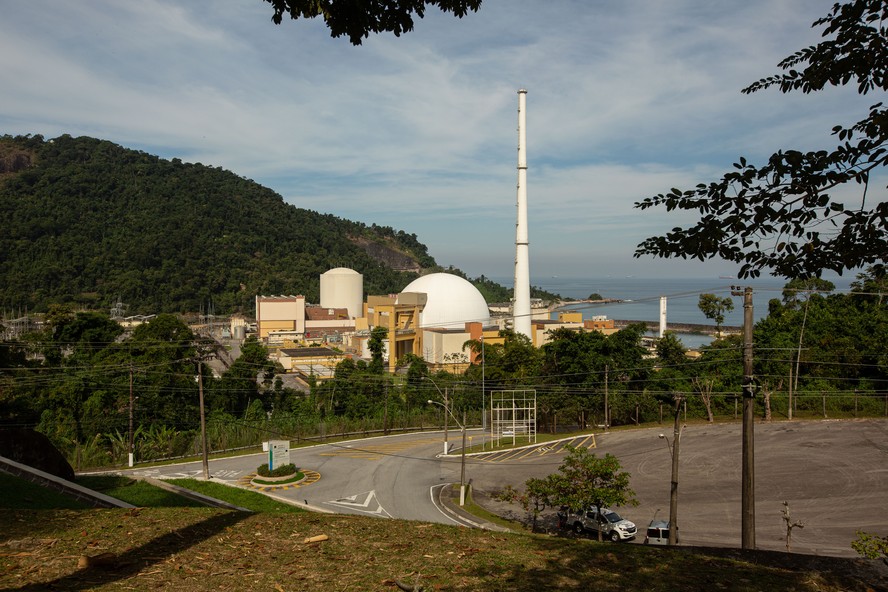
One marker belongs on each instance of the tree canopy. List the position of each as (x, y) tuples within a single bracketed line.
[(784, 216), (88, 222), (714, 308), (358, 19), (583, 481), (817, 355)]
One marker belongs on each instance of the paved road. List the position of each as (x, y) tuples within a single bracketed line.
[(391, 477), (834, 474)]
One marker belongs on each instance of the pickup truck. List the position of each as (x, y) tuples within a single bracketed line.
[(613, 526)]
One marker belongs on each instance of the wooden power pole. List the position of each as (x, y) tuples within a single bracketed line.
[(203, 421), (747, 525), (132, 442), (673, 490)]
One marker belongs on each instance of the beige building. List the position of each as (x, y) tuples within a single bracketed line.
[(602, 324), (319, 362), (282, 315), (400, 314), (324, 324), (444, 348)]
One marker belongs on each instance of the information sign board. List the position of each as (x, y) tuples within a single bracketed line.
[(278, 453)]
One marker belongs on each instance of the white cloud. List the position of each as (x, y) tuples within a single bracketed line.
[(626, 99)]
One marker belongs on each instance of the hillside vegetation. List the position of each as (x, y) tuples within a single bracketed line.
[(86, 221)]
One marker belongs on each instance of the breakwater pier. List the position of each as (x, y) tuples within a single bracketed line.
[(681, 327)]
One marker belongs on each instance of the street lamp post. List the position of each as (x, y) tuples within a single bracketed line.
[(462, 471), (443, 396), (673, 491)]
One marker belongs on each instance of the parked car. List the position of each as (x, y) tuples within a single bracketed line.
[(658, 533), (613, 526)]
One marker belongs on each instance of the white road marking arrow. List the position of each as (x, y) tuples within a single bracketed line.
[(369, 505)]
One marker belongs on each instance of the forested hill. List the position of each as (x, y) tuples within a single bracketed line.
[(87, 222)]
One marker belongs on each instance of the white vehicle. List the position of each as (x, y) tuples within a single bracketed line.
[(658, 533), (613, 526)]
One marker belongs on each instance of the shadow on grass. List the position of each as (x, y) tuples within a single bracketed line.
[(19, 494), (589, 565), (138, 493), (133, 561)]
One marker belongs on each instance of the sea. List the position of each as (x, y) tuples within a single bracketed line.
[(639, 298)]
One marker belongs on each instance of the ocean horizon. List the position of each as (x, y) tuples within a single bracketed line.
[(639, 298)]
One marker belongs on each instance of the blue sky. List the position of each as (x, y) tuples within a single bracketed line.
[(626, 99)]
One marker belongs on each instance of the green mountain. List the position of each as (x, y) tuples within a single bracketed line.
[(87, 222)]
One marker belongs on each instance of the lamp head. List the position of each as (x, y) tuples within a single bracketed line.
[(430, 402), (661, 436)]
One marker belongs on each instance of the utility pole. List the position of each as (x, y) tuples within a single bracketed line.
[(203, 420), (484, 399), (673, 490), (789, 407), (483, 392), (794, 379), (385, 415), (132, 443), (446, 409), (747, 526), (462, 469), (606, 410)]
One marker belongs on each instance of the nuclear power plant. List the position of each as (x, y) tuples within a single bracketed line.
[(432, 317)]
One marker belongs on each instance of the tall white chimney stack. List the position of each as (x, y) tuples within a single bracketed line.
[(521, 299)]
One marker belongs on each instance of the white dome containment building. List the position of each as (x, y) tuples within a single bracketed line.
[(342, 287), (452, 301)]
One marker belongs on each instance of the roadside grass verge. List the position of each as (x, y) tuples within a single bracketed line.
[(474, 509), (135, 492), (243, 498), (193, 549)]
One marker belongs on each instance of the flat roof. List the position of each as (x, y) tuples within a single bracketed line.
[(310, 352)]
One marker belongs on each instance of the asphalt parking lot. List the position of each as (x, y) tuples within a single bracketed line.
[(833, 474)]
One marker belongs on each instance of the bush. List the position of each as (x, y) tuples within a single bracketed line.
[(281, 471)]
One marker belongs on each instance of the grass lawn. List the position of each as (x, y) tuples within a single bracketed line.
[(295, 478), (472, 508), (194, 549), (243, 498), (174, 546)]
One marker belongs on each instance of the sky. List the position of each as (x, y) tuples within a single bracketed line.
[(625, 99)]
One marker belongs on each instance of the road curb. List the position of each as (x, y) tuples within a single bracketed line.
[(450, 502)]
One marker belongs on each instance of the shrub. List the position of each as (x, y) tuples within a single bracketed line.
[(281, 471)]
